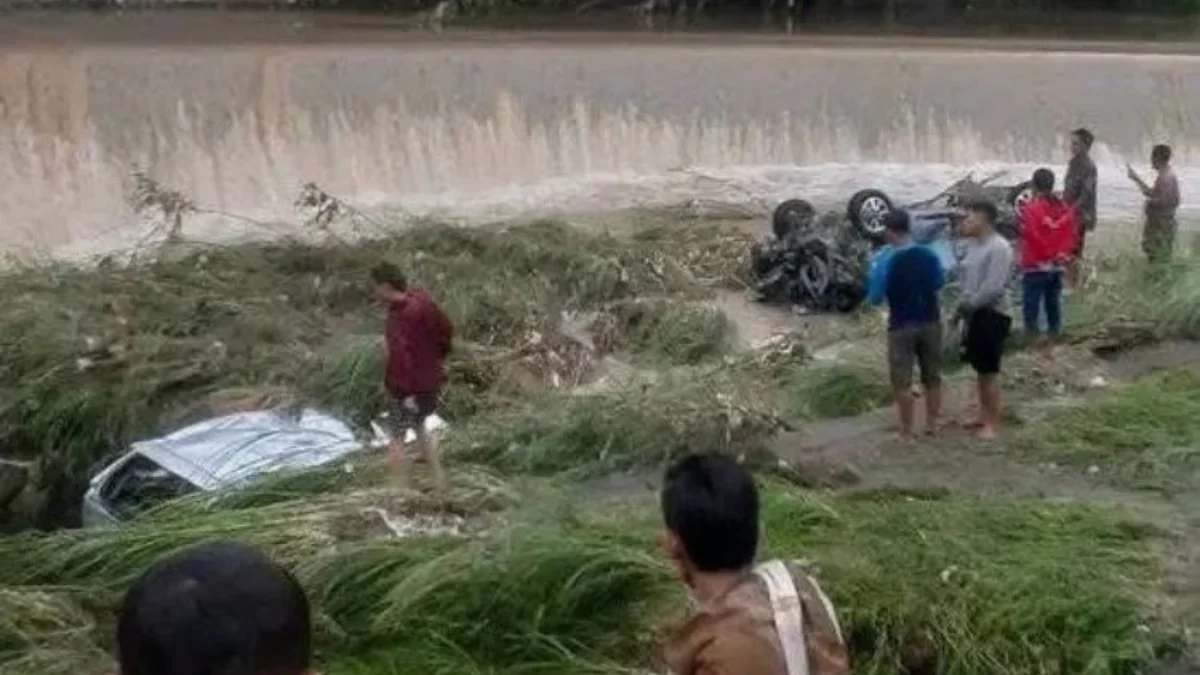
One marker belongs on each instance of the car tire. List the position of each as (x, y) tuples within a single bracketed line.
[(866, 210), (845, 299), (792, 217)]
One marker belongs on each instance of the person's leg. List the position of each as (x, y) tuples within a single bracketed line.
[(1053, 295), (994, 335), (929, 358), (971, 353), (901, 355), (989, 405), (1075, 267), (427, 443), (399, 420), (1031, 301)]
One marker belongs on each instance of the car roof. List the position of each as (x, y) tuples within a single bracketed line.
[(225, 451)]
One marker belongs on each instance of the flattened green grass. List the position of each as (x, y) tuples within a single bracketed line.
[(836, 390), (954, 586), (963, 586), (1145, 435)]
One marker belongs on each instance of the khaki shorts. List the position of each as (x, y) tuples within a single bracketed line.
[(919, 346)]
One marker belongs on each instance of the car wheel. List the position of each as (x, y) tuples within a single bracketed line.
[(866, 210), (792, 217), (846, 298)]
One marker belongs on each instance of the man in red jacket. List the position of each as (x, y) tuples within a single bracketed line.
[(1049, 239), (418, 335)]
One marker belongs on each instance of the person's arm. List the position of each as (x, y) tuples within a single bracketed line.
[(1087, 192), (877, 279), (997, 271), (1137, 180), (937, 273), (441, 329)]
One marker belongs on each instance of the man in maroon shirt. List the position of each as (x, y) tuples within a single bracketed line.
[(418, 335)]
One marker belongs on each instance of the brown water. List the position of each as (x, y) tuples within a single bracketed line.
[(482, 125)]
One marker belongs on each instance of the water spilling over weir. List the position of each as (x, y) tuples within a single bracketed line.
[(492, 129)]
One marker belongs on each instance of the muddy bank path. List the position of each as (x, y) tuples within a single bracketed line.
[(863, 454)]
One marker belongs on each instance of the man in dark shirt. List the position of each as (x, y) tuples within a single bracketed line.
[(1079, 190), (419, 336), (910, 277)]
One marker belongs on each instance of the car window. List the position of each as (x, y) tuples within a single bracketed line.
[(141, 484)]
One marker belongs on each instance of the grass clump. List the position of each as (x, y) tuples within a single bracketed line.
[(965, 586), (645, 425), (836, 390), (1145, 435), (555, 599), (48, 633), (677, 334)]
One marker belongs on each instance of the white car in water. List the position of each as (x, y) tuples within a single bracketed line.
[(219, 454)]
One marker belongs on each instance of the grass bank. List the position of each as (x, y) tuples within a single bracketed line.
[(94, 357), (957, 586), (1145, 435)]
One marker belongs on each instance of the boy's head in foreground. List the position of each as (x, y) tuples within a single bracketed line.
[(710, 508), (216, 609)]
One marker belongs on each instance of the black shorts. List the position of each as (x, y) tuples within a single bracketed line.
[(409, 411), (983, 341)]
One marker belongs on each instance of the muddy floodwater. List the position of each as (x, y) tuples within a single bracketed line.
[(480, 125)]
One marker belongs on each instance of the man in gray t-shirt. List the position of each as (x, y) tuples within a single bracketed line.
[(984, 276)]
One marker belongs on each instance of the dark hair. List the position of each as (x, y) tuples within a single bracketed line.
[(984, 208), (388, 273), (216, 609), (1161, 153), (711, 503), (1084, 136), (1043, 181), (897, 220)]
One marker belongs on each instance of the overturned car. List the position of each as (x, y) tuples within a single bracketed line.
[(820, 263), (223, 453)]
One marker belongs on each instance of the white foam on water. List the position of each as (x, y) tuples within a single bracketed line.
[(485, 133)]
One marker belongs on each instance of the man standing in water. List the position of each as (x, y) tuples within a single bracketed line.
[(419, 335), (986, 270), (1079, 190), (1162, 200)]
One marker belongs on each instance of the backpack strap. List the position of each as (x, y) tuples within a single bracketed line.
[(789, 620)]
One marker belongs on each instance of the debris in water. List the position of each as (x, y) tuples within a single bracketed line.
[(411, 526)]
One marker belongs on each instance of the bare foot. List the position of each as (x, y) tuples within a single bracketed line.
[(973, 425), (986, 433)]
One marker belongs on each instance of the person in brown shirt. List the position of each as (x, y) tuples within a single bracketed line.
[(1162, 200), (710, 505)]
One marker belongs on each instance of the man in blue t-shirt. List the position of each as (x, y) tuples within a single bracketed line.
[(910, 277)]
